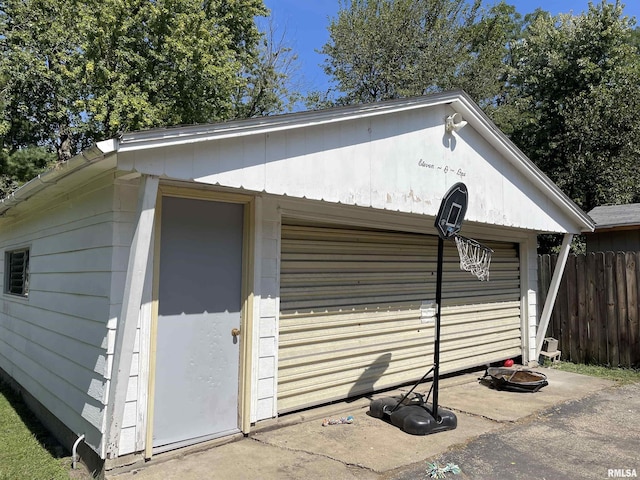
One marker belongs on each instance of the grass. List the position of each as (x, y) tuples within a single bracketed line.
[(621, 376), (26, 449)]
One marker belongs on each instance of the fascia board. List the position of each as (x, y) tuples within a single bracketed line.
[(201, 133), (52, 176)]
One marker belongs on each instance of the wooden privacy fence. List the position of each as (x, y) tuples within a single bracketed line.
[(596, 318)]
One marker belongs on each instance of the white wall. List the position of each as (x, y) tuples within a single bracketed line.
[(268, 306), (396, 162), (54, 343), (59, 342)]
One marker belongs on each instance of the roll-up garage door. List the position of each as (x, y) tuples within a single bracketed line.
[(356, 311)]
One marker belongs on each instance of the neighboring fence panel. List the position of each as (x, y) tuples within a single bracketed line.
[(596, 318)]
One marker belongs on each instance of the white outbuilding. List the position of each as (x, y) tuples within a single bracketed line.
[(178, 285)]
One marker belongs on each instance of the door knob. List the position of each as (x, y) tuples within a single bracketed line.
[(235, 332)]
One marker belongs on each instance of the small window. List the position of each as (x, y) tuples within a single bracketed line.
[(16, 280)]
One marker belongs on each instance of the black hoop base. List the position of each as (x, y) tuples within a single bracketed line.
[(415, 417)]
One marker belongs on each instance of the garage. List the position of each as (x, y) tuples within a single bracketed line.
[(330, 247)]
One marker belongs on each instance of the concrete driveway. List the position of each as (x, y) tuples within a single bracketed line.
[(596, 437), (566, 430)]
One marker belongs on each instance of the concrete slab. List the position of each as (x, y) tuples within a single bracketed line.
[(298, 446), (477, 398), (372, 443), (247, 459)]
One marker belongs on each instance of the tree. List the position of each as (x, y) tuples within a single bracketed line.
[(487, 53), (382, 49), (573, 97), (39, 63), (172, 62), (269, 84), (74, 72)]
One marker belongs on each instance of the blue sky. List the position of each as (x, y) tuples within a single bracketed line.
[(304, 22)]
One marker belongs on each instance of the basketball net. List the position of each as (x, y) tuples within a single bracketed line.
[(474, 257)]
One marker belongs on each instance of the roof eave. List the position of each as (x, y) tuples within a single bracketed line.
[(87, 157), (616, 227), (201, 133)]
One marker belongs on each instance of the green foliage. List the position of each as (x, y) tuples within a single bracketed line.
[(172, 62), (378, 48), (268, 85), (486, 53), (573, 95), (24, 451), (39, 64), (21, 165), (382, 49), (635, 38)]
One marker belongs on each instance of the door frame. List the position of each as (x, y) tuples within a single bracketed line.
[(246, 301)]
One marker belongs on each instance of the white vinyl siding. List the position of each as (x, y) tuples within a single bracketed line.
[(350, 312), (53, 343)]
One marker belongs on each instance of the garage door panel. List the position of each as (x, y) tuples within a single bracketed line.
[(417, 290), (335, 319), (351, 322), (337, 334), (342, 305), (353, 344), (314, 361), (293, 280)]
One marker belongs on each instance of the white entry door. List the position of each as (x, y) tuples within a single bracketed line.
[(199, 298)]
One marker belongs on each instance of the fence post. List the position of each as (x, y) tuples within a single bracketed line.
[(634, 336), (601, 301), (623, 318), (582, 322), (611, 319), (632, 308), (592, 309), (570, 337)]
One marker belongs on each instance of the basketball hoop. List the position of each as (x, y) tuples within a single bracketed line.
[(414, 415), (474, 257)]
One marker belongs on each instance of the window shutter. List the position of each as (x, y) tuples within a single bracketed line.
[(17, 280)]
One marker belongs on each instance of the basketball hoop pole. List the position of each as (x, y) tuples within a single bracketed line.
[(448, 223), (436, 342)]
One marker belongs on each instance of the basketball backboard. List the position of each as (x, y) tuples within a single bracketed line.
[(452, 211)]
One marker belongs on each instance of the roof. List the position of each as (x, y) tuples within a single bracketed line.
[(611, 216), (459, 101)]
